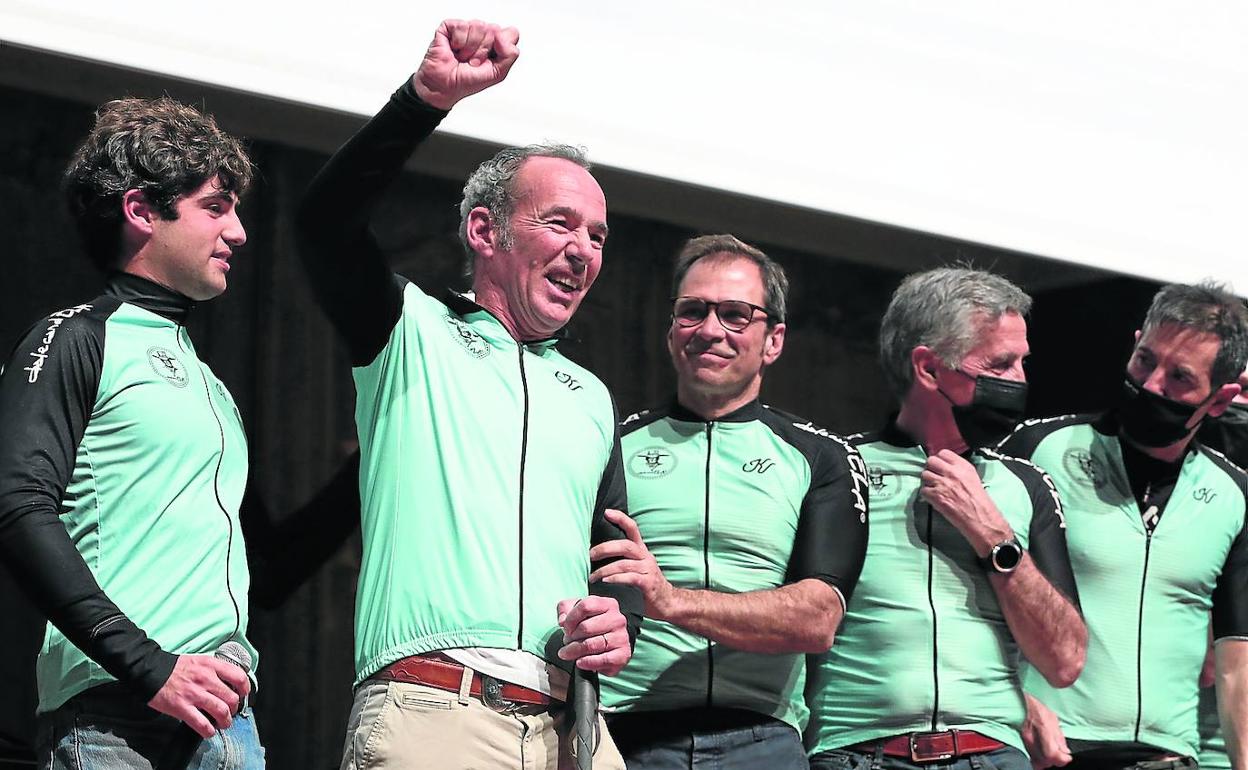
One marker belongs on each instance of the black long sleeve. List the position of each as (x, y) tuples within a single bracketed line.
[(346, 267), (47, 393)]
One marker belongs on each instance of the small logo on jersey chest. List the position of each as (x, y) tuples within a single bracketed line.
[(1083, 467), (883, 482), (571, 382), (651, 463), (1204, 495), (467, 338), (168, 366), (758, 465)]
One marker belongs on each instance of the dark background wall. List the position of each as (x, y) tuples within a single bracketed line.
[(290, 376)]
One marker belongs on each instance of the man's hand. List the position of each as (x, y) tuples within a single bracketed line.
[(465, 57), (634, 565), (952, 486), (1042, 735), (203, 691), (595, 634)]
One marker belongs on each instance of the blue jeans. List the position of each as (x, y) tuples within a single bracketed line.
[(112, 731), (1007, 758), (772, 745)]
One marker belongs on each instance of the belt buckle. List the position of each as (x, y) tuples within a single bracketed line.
[(492, 695), (940, 746)]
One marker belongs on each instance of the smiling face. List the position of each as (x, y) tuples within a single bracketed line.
[(191, 254), (714, 364), (534, 280)]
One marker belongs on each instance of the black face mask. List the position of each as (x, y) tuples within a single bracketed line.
[(1235, 415), (1151, 420), (1228, 433), (995, 410)]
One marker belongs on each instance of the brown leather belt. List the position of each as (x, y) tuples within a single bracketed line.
[(932, 747), (445, 674)]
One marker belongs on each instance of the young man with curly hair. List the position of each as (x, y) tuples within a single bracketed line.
[(124, 461)]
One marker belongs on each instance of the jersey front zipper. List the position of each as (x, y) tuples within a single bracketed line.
[(216, 482), (1139, 643), (706, 563), (931, 602), (524, 448)]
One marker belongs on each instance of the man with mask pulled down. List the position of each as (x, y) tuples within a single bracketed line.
[(966, 561), (1156, 536)]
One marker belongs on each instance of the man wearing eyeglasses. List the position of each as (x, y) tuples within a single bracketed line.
[(748, 531)]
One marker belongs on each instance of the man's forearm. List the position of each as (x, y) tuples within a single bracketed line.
[(1231, 661), (346, 268), (797, 618), (53, 575), (1048, 628)]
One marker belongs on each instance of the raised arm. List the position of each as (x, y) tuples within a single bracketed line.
[(345, 266)]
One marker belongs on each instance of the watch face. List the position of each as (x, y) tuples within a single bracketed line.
[(1007, 556)]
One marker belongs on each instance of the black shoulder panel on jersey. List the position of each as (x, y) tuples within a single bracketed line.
[(864, 438), (1047, 533), (47, 395), (1237, 474), (641, 419), (1230, 594), (1029, 433), (831, 539)]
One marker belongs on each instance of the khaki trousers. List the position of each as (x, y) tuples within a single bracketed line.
[(397, 725)]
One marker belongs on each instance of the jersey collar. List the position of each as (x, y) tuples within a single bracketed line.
[(746, 413), (150, 296), (464, 304), (892, 433)]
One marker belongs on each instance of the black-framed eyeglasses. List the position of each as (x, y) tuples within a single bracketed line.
[(733, 314)]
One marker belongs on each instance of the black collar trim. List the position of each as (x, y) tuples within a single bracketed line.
[(463, 306), (745, 413), (151, 296)]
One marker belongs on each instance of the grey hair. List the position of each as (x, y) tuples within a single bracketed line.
[(775, 282), (1206, 307), (946, 310), (492, 186)]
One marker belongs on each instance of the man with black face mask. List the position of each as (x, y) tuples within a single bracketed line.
[(1156, 535), (966, 560)]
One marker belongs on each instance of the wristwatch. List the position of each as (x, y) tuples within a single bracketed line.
[(1004, 556)]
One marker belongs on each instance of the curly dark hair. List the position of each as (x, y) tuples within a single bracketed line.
[(158, 146)]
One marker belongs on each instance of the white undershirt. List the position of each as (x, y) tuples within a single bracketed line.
[(514, 666)]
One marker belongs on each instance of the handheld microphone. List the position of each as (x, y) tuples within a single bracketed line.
[(178, 755), (585, 709), (235, 653)]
